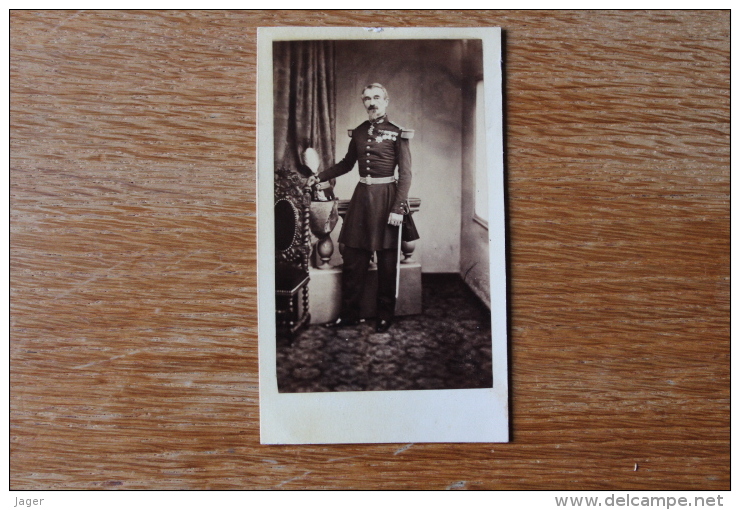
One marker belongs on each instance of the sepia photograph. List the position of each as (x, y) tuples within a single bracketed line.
[(380, 213)]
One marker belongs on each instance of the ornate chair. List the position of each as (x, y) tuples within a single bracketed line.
[(292, 202)]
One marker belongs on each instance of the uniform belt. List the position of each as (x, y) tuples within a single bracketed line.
[(377, 180)]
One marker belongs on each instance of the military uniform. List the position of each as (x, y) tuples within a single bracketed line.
[(378, 147)]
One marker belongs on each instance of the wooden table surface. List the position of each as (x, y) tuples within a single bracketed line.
[(133, 341)]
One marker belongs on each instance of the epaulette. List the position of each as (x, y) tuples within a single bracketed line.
[(405, 133)]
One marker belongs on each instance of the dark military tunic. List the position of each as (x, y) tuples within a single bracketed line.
[(378, 148)]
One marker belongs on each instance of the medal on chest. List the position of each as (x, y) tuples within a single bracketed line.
[(386, 135), (382, 134)]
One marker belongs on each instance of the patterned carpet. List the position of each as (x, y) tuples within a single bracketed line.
[(448, 346)]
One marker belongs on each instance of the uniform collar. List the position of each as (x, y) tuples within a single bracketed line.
[(379, 120)]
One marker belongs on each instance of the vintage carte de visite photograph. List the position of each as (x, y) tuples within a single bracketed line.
[(381, 236)]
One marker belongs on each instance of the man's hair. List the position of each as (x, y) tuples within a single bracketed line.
[(374, 86)]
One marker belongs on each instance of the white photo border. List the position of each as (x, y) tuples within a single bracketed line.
[(404, 416)]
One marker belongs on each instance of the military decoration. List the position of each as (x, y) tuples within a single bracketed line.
[(386, 135)]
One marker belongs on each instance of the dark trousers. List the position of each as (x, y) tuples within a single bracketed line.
[(354, 276)]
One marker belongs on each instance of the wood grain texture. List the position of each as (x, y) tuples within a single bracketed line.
[(133, 290)]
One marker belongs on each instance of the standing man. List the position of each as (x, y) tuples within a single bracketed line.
[(375, 212)]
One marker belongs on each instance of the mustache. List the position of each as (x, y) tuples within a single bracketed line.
[(372, 107)]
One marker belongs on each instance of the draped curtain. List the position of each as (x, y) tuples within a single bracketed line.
[(304, 103)]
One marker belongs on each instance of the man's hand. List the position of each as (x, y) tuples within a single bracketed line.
[(395, 219), (312, 180)]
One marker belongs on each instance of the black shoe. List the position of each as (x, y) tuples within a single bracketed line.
[(341, 322), (383, 325)]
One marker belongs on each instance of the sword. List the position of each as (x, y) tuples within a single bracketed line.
[(398, 259)]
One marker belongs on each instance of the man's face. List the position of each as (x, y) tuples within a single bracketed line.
[(375, 102)]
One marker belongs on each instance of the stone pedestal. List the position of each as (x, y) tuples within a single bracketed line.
[(325, 293)]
